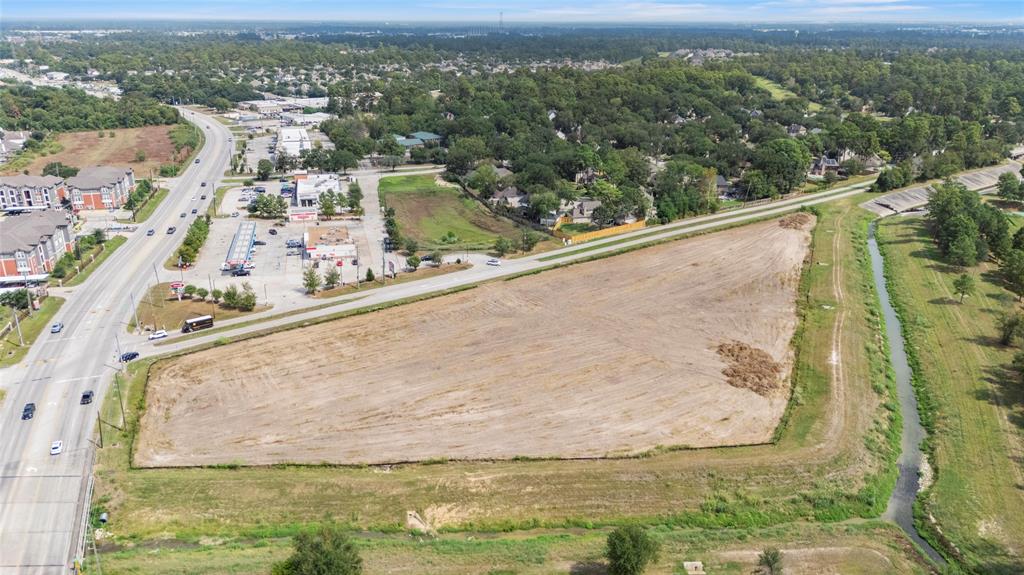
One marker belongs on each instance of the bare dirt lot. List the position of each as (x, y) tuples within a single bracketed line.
[(609, 357), (82, 149)]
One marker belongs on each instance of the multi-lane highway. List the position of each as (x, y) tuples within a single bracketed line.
[(41, 495)]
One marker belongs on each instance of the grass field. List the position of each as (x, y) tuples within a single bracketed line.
[(832, 458), (160, 310), (780, 93), (978, 412), (26, 158), (869, 548), (81, 149), (109, 247), (11, 350), (427, 211)]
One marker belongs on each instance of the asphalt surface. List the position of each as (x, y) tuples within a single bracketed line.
[(42, 496)]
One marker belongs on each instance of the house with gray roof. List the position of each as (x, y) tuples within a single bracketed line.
[(32, 242), (101, 187)]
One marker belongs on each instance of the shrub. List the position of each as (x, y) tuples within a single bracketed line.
[(630, 550)]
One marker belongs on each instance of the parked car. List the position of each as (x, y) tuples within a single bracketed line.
[(259, 243), (272, 232), (57, 327), (56, 447), (241, 272), (128, 356), (158, 334), (234, 214), (29, 411), (150, 232), (86, 398), (171, 230)]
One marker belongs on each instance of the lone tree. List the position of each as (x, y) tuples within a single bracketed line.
[(413, 262), (263, 169), (311, 280), (769, 561), (369, 275), (963, 286), (1010, 325), (332, 278), (630, 550), (502, 246), (327, 551)]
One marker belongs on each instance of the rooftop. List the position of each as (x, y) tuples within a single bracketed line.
[(21, 180), (97, 177), (327, 235), (23, 232)]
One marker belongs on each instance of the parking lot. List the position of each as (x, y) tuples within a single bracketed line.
[(277, 270)]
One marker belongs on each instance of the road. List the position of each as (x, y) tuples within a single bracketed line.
[(482, 272), (41, 496)]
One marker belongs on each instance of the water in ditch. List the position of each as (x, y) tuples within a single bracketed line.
[(901, 504)]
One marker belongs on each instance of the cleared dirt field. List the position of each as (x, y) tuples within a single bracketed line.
[(83, 149), (610, 357)]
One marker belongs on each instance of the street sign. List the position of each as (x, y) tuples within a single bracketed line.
[(340, 263), (177, 285)]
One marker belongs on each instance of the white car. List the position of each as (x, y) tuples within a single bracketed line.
[(56, 447), (193, 198), (493, 262), (158, 334)]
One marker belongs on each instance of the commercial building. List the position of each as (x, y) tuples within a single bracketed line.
[(329, 243), (306, 201), (292, 141), (101, 187), (31, 243), (300, 119), (31, 192)]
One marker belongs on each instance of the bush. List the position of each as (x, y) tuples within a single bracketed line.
[(413, 262), (328, 550), (369, 275), (630, 550)]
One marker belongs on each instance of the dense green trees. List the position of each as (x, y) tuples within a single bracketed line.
[(70, 109), (966, 229), (195, 237), (784, 163)]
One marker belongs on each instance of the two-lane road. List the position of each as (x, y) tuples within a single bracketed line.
[(40, 494)]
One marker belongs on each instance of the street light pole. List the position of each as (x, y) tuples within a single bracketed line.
[(17, 324), (135, 311), (120, 399)]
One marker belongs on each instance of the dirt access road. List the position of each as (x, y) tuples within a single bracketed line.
[(609, 357)]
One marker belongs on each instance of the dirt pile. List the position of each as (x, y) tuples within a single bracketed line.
[(797, 221), (751, 368)]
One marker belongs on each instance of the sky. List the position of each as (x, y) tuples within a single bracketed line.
[(528, 11)]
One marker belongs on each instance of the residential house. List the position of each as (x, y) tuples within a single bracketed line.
[(722, 186), (587, 177), (582, 210), (510, 197), (31, 243), (11, 142), (100, 187), (31, 192), (407, 142), (824, 165), (795, 130)]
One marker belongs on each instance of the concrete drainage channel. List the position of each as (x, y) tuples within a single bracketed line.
[(901, 503)]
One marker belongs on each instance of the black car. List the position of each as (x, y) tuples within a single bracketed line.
[(128, 356), (259, 243), (183, 214), (272, 232), (194, 210), (86, 398), (29, 411), (202, 197), (241, 272)]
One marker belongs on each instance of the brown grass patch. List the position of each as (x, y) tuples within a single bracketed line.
[(82, 149), (751, 368)]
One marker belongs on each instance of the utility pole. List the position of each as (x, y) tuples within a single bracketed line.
[(120, 354), (120, 399), (266, 298), (17, 324), (155, 274), (28, 292), (100, 424), (383, 264), (135, 311)]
